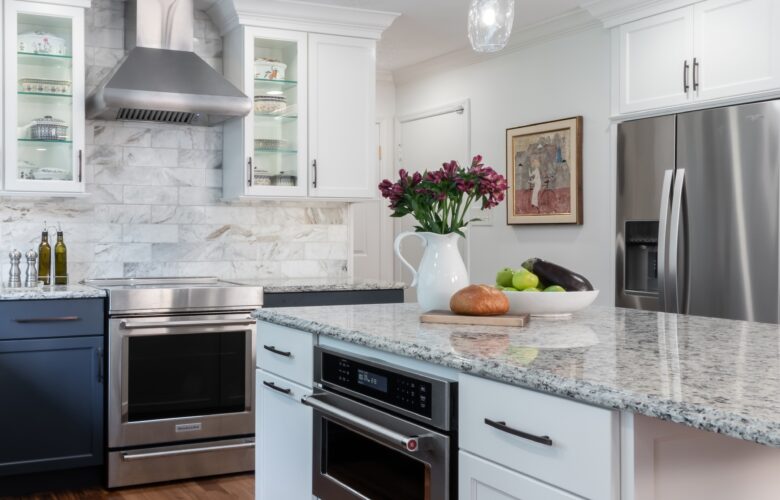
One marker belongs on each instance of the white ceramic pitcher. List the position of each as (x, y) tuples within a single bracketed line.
[(441, 272)]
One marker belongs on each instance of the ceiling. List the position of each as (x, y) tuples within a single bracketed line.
[(430, 28)]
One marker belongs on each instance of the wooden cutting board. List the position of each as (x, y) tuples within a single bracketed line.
[(450, 318)]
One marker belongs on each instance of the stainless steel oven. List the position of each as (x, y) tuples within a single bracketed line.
[(181, 362), (381, 431)]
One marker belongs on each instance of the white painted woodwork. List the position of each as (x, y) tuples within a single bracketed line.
[(283, 440), (584, 456), (371, 252), (76, 125), (342, 100), (479, 479), (298, 367), (737, 46), (653, 52)]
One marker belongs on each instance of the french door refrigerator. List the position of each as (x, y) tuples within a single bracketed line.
[(698, 213)]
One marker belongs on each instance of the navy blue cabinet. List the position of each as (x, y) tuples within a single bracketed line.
[(336, 298), (51, 385)]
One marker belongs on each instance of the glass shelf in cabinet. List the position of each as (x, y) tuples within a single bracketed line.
[(272, 151), (44, 59), (271, 85), (44, 94), (45, 141), (276, 116)]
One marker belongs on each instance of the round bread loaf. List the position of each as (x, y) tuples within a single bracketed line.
[(479, 300)]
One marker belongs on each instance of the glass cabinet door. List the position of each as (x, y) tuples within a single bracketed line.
[(44, 122), (276, 135)]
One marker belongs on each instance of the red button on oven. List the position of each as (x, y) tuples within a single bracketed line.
[(411, 445)]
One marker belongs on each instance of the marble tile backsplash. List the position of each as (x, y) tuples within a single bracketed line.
[(154, 204)]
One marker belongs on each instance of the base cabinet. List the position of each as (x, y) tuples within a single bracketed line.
[(479, 479)]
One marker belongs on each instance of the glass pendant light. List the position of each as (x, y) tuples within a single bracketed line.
[(490, 24)]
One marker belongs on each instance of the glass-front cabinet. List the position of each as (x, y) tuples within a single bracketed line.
[(274, 148), (44, 97)]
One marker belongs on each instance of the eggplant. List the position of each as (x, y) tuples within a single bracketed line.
[(553, 274)]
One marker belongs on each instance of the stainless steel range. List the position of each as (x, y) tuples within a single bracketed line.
[(180, 378)]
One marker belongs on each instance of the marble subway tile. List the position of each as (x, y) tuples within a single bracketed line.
[(325, 251), (216, 232), (150, 157), (151, 195), (280, 251), (338, 233), (224, 214), (123, 252), (124, 214), (177, 176), (199, 195), (211, 251), (150, 233), (213, 178), (178, 215), (149, 269), (190, 158), (303, 269), (100, 193)]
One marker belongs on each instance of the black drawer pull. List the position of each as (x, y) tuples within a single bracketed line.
[(505, 428), (277, 388), (274, 350), (48, 320)]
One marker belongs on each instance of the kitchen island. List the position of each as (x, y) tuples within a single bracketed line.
[(713, 375)]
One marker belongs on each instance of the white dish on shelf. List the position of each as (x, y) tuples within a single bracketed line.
[(269, 69), (549, 304), (39, 42)]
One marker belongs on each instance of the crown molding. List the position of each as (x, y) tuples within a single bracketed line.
[(574, 21), (383, 75), (300, 16), (616, 12)]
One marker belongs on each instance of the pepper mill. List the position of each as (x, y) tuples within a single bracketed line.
[(31, 274), (15, 276)]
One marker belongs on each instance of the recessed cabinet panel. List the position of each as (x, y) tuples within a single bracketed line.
[(44, 119), (736, 47)]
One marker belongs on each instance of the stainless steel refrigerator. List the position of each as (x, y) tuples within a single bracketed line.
[(698, 214)]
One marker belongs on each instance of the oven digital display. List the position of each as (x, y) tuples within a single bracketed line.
[(372, 380)]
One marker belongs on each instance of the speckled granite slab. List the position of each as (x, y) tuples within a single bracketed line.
[(51, 292), (320, 285), (712, 374)]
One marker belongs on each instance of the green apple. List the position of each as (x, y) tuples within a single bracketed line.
[(532, 289), (504, 277), (525, 280), (510, 289), (554, 288)]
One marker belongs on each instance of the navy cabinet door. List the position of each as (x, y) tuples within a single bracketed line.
[(51, 400)]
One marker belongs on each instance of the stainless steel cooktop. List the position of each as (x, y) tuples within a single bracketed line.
[(163, 295)]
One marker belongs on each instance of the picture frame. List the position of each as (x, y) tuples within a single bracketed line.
[(544, 172)]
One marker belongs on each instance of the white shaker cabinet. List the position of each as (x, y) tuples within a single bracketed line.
[(655, 58), (43, 71), (342, 144)]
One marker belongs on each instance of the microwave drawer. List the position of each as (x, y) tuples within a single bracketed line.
[(286, 352), (570, 445)]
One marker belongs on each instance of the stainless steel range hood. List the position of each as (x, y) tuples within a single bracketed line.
[(161, 79)]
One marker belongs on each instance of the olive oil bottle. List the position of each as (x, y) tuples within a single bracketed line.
[(44, 254), (60, 260)]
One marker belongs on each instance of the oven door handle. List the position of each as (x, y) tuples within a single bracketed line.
[(406, 443), (170, 453), (133, 325)]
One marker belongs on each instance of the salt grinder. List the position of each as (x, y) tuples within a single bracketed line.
[(15, 276), (31, 275)]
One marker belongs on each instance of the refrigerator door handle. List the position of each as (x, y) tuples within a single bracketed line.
[(674, 239), (663, 219)]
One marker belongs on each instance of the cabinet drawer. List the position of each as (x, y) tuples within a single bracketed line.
[(582, 455), (29, 319), (285, 352)]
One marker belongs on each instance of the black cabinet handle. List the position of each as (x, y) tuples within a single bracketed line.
[(274, 350), (314, 166), (686, 86), (695, 74), (100, 365), (500, 425), (277, 388), (48, 320)]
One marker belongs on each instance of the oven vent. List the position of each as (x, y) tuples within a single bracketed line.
[(152, 115)]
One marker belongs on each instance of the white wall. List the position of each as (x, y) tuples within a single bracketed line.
[(556, 79)]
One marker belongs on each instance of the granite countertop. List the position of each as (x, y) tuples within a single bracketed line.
[(51, 292), (294, 285), (712, 374)]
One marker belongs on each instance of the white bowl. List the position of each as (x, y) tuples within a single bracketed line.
[(553, 304)]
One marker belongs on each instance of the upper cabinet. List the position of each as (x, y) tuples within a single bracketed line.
[(710, 50), (44, 97), (312, 73)]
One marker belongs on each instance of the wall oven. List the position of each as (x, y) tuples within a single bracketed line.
[(381, 431), (181, 361)]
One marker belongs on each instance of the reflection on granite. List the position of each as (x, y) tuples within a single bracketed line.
[(712, 374), (51, 292), (276, 285)]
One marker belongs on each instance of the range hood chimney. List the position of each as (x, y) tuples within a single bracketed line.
[(161, 79)]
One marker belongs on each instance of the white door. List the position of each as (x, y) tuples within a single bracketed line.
[(736, 47), (283, 439), (656, 55), (372, 226), (425, 141), (479, 479), (342, 146)]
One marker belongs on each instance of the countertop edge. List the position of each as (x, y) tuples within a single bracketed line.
[(696, 416)]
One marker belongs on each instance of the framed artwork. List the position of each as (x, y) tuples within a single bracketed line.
[(544, 172)]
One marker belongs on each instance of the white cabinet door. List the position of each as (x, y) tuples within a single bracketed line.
[(479, 479), (342, 142), (736, 47), (656, 54), (283, 434), (44, 98)]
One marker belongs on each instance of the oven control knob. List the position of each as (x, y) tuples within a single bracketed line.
[(411, 445)]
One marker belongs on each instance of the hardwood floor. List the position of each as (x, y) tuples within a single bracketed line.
[(238, 487)]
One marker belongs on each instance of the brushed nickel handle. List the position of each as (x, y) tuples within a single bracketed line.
[(81, 166), (249, 172), (53, 319), (314, 165), (674, 235), (155, 454), (686, 86), (695, 74), (663, 221), (501, 425), (132, 325)]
